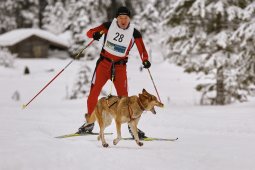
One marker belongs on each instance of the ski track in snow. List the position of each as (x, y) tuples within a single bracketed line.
[(210, 137)]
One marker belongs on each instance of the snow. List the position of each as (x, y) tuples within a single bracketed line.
[(219, 7), (210, 137), (13, 37), (221, 39), (198, 8), (178, 31)]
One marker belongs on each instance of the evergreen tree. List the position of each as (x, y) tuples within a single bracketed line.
[(199, 40), (244, 39), (147, 21), (55, 18), (7, 17), (111, 9), (27, 13), (7, 59), (21, 14), (41, 7), (83, 14), (81, 87)]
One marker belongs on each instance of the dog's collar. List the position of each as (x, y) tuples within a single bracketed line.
[(140, 104)]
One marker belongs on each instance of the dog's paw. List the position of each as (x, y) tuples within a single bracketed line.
[(105, 145), (116, 141), (140, 143)]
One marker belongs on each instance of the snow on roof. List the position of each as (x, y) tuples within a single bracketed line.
[(15, 36)]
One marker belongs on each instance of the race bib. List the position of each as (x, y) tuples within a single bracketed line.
[(118, 40)]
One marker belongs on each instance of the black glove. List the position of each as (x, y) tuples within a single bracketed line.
[(146, 64), (97, 36)]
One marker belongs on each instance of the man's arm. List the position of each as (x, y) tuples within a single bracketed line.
[(140, 45), (103, 27)]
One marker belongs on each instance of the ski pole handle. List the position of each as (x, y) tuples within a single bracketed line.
[(79, 53)]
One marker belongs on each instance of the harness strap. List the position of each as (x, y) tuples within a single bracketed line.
[(131, 113), (101, 58), (140, 104), (130, 110), (113, 104), (98, 61), (113, 63)]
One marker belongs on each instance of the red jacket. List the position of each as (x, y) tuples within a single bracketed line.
[(137, 39)]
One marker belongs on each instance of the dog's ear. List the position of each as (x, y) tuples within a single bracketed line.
[(147, 95), (142, 97), (144, 91)]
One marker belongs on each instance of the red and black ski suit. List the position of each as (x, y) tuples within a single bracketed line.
[(109, 65)]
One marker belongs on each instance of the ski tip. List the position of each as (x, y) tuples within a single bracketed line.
[(23, 106)]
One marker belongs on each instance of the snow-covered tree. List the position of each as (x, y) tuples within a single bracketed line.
[(7, 58), (244, 39), (148, 17), (7, 16), (203, 38), (27, 13), (21, 14), (41, 7), (83, 14), (55, 18), (82, 84), (147, 21)]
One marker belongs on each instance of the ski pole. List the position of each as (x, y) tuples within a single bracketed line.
[(154, 84), (25, 105)]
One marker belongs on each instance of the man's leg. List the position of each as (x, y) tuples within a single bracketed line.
[(121, 86), (101, 77), (99, 81), (120, 81)]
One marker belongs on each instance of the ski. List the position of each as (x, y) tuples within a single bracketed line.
[(80, 134), (153, 139), (94, 133)]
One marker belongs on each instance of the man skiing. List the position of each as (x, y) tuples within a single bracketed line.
[(120, 36)]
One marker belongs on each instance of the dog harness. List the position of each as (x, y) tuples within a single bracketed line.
[(131, 113), (107, 101)]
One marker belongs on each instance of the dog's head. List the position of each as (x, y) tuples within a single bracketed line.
[(149, 101)]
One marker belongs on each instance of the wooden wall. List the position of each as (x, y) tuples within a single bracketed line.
[(33, 47)]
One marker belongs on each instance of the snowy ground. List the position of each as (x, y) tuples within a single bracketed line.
[(210, 137)]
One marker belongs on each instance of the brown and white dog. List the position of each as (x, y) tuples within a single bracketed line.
[(122, 110)]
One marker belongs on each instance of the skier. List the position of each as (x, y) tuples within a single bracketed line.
[(120, 36)]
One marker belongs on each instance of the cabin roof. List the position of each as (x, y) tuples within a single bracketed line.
[(15, 36)]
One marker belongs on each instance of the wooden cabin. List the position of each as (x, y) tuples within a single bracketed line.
[(32, 43)]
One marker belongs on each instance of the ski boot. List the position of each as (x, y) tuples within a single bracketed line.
[(86, 128), (141, 134)]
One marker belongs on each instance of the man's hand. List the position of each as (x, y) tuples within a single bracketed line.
[(97, 36), (146, 64)]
